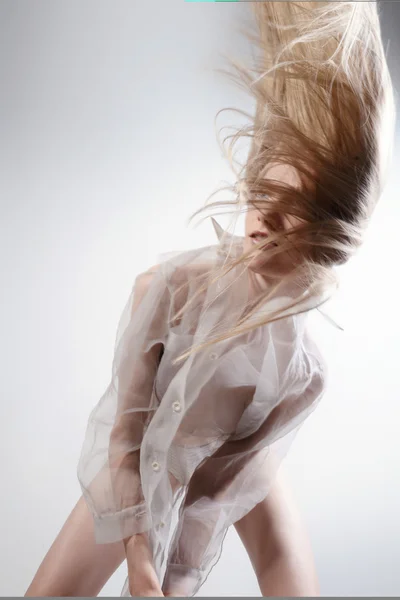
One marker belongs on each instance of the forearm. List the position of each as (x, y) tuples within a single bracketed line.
[(143, 580), (289, 575)]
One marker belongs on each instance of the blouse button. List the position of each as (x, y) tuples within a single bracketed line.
[(213, 355), (176, 406), (155, 465)]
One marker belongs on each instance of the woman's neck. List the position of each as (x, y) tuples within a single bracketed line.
[(259, 285)]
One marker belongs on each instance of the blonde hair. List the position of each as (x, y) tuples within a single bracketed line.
[(324, 106)]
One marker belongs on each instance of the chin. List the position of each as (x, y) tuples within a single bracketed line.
[(264, 264)]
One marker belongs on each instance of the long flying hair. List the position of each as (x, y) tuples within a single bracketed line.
[(325, 107)]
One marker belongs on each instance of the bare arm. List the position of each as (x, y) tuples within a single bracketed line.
[(278, 546), (143, 580), (109, 465)]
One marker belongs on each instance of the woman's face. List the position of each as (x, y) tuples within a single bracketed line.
[(256, 224)]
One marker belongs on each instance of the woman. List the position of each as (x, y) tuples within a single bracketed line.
[(214, 370)]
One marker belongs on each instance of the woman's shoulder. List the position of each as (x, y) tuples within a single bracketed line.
[(315, 359), (186, 266), (175, 267)]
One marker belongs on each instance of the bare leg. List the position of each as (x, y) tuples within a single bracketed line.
[(75, 565)]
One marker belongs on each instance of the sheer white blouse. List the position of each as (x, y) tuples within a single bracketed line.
[(197, 443)]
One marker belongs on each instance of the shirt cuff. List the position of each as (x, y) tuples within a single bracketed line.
[(113, 527), (181, 579)]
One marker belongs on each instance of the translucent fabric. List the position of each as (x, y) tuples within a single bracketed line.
[(197, 443)]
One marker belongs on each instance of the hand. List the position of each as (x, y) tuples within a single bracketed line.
[(145, 583), (143, 580), (147, 592)]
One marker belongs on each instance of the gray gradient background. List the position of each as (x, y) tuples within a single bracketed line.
[(107, 145)]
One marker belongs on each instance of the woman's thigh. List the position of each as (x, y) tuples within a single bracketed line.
[(75, 565)]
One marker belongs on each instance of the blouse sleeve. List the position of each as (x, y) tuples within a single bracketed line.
[(109, 464), (229, 483)]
